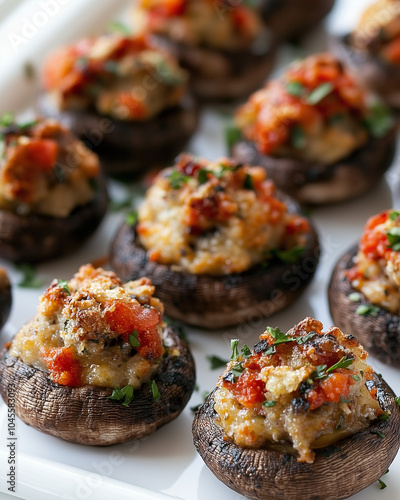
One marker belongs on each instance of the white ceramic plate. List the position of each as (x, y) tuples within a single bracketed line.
[(164, 465)]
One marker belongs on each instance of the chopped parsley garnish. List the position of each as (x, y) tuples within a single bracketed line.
[(355, 297), (269, 404), (295, 88), (382, 485), (384, 416), (125, 394), (216, 362), (281, 338), (235, 351), (28, 124), (248, 182), (393, 236), (133, 339), (245, 352), (379, 119), (288, 256), (29, 279), (320, 93), (155, 391), (202, 175), (305, 338), (393, 215), (397, 399), (367, 310), (6, 119), (321, 372), (379, 434), (357, 378), (118, 27), (232, 135), (177, 179), (64, 285), (298, 137), (131, 218), (237, 370)]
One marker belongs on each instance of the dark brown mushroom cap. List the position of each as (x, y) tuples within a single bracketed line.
[(217, 301), (339, 471), (373, 72), (37, 238), (85, 414), (129, 147), (379, 335), (5, 296), (222, 75), (292, 19), (319, 184)]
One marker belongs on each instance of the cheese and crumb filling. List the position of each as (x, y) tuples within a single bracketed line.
[(217, 218), (305, 389), (94, 330), (315, 112), (45, 170), (123, 77), (378, 30), (376, 270), (225, 25)]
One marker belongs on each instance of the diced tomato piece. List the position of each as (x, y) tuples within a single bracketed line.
[(392, 51), (135, 107), (248, 389), (42, 153), (315, 398), (63, 366), (126, 317), (336, 386)]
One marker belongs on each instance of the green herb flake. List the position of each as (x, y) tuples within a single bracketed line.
[(155, 391), (397, 399), (64, 285), (393, 215), (305, 338), (131, 218), (202, 175), (232, 136), (344, 362), (29, 124), (384, 417), (357, 378), (118, 27), (269, 404), (216, 362), (6, 119), (379, 119), (295, 89), (289, 256), (125, 394), (245, 352), (248, 182), (29, 279), (298, 137), (320, 93), (355, 297), (133, 339), (393, 236), (237, 370), (367, 310), (235, 351), (177, 180), (382, 485), (379, 434)]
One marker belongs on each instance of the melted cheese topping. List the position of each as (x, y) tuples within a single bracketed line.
[(291, 390), (125, 78), (81, 331), (215, 218), (45, 170), (376, 273), (313, 113), (222, 25)]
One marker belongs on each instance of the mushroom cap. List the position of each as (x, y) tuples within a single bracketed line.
[(339, 470), (85, 414), (5, 296), (130, 147), (292, 19), (320, 184), (217, 301), (373, 72), (222, 75), (379, 335), (37, 238)]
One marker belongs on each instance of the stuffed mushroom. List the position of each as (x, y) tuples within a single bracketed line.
[(296, 412), (316, 132), (97, 365), (52, 193), (125, 97), (372, 50), (218, 242), (364, 293), (224, 45)]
